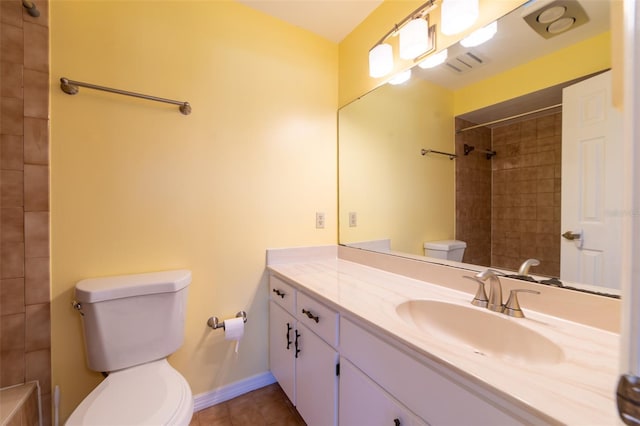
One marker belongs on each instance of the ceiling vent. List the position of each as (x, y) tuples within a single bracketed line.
[(556, 17), (465, 62)]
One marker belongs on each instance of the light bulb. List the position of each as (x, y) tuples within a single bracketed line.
[(414, 38), (480, 36), (458, 15), (380, 60), (401, 77), (434, 60)]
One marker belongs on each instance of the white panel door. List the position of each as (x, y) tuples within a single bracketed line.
[(592, 179)]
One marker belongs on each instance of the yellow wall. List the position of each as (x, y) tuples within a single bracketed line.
[(383, 177), (575, 61), (354, 49), (136, 186)]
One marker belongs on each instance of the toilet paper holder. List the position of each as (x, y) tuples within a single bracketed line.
[(215, 323)]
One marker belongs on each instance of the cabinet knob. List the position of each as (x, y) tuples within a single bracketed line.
[(310, 315), (279, 292)]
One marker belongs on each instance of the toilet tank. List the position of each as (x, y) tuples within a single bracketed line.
[(132, 319), (445, 249)]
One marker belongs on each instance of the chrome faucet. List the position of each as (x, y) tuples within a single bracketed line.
[(524, 268), (495, 289)]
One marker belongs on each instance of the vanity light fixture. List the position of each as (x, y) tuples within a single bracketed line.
[(401, 77), (480, 36), (458, 15), (434, 60), (417, 39), (414, 38)]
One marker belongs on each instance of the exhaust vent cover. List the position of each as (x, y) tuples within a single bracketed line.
[(465, 62), (556, 18)]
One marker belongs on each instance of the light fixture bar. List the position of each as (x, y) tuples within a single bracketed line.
[(420, 12)]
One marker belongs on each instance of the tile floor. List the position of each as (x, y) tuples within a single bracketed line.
[(262, 407)]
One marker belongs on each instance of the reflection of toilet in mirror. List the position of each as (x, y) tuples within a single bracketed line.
[(131, 323), (445, 249)]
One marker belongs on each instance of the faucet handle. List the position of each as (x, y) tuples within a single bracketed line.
[(512, 308), (480, 299)]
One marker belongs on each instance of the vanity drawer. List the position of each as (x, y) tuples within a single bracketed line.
[(283, 294), (321, 320)]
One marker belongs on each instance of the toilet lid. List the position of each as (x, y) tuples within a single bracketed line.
[(148, 394)]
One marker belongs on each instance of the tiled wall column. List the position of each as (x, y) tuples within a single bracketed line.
[(24, 198), (473, 194)]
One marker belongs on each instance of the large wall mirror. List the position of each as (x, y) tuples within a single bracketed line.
[(505, 146)]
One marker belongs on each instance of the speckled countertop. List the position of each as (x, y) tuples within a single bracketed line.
[(579, 389)]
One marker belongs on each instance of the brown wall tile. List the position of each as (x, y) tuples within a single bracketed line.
[(43, 8), (12, 296), (11, 44), (38, 367), (36, 94), (12, 336), (36, 141), (37, 280), (12, 367), (36, 52), (36, 188), (24, 91), (11, 154), (11, 80), (11, 12), (12, 222), (36, 226), (12, 116), (12, 260), (37, 327), (11, 188)]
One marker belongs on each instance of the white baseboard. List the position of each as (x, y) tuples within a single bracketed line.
[(225, 393)]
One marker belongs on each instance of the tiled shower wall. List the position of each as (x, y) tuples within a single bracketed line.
[(473, 194), (25, 325), (508, 208), (526, 194)]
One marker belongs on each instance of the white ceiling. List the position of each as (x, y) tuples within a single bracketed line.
[(331, 19)]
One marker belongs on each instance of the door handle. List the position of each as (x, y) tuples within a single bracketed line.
[(569, 235), (576, 237)]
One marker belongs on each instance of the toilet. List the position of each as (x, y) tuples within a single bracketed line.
[(445, 249), (131, 323)]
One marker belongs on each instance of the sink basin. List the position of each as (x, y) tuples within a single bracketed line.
[(486, 333)]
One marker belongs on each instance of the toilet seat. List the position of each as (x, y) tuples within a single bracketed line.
[(148, 394)]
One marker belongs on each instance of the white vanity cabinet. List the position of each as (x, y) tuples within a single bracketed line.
[(363, 402), (302, 355), (433, 393)]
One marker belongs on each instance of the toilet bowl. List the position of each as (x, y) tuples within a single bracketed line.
[(131, 323), (445, 249), (149, 394)]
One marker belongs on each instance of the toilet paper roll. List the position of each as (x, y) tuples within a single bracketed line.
[(234, 330)]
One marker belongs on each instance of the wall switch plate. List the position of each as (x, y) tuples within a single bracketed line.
[(320, 220), (353, 219)]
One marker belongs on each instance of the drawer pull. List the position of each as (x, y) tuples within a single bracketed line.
[(396, 422), (279, 292), (288, 336), (310, 315), (296, 344)]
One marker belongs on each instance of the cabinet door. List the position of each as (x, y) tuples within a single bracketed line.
[(316, 379), (363, 402), (282, 329)]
